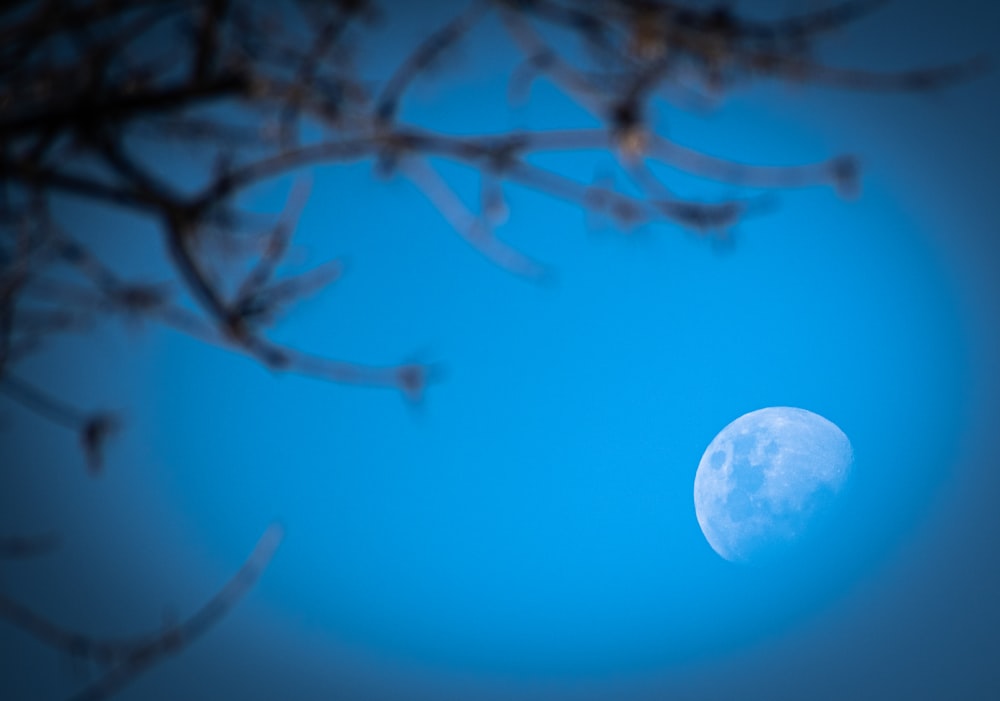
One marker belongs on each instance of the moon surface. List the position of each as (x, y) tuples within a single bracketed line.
[(762, 480)]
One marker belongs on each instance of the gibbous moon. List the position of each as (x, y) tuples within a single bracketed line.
[(764, 477)]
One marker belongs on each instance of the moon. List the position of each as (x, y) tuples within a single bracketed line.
[(763, 479)]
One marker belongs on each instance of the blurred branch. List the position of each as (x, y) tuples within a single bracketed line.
[(424, 56), (474, 229), (262, 92), (253, 93), (126, 659)]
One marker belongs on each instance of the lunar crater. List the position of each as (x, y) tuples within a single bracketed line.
[(764, 476)]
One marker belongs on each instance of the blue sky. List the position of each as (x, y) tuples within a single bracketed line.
[(529, 531)]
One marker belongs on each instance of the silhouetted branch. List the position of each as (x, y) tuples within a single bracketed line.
[(259, 92), (423, 57), (42, 403), (126, 659), (244, 84), (474, 229)]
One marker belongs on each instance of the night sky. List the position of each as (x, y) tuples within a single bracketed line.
[(528, 531)]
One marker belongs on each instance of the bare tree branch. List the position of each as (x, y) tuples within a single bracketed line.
[(256, 93), (244, 83), (128, 658)]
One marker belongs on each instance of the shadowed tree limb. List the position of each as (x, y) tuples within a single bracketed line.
[(128, 658), (259, 92), (244, 85)]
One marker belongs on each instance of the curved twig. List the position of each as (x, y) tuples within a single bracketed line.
[(130, 657)]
